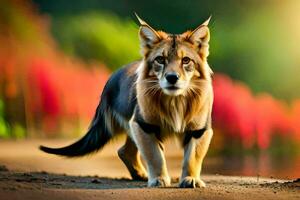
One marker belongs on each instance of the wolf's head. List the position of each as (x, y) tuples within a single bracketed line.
[(174, 64)]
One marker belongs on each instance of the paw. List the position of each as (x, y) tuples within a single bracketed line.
[(134, 167), (191, 182), (159, 182)]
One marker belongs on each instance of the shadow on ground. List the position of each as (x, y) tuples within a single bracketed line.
[(36, 180)]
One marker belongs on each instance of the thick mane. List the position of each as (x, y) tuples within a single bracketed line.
[(174, 112)]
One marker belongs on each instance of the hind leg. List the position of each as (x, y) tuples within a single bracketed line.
[(131, 158)]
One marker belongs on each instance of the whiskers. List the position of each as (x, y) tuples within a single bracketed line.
[(151, 87), (197, 88)]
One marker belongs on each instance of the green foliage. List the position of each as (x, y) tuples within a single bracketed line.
[(18, 131), (252, 41), (95, 36), (4, 132), (12, 19), (258, 51)]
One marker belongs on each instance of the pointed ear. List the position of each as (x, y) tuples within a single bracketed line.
[(200, 37), (148, 36), (206, 22), (201, 33)]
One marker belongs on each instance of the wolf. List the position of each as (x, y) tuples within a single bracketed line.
[(167, 93)]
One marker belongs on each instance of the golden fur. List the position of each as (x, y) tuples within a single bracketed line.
[(167, 93), (166, 109), (188, 108)]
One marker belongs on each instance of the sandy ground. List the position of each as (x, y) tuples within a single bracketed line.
[(26, 173)]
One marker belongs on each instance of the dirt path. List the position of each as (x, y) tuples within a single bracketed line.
[(19, 182), (43, 185)]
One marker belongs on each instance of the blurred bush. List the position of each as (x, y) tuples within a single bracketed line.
[(98, 36), (45, 93), (15, 130), (259, 48), (250, 121), (3, 126)]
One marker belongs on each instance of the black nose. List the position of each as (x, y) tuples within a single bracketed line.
[(172, 77)]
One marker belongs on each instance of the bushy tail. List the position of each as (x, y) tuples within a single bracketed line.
[(96, 137)]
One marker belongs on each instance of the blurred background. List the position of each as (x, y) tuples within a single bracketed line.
[(55, 57)]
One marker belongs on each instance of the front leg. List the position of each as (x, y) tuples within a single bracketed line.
[(194, 152), (151, 150)]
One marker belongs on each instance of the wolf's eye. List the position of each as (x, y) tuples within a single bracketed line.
[(160, 60), (186, 60)]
